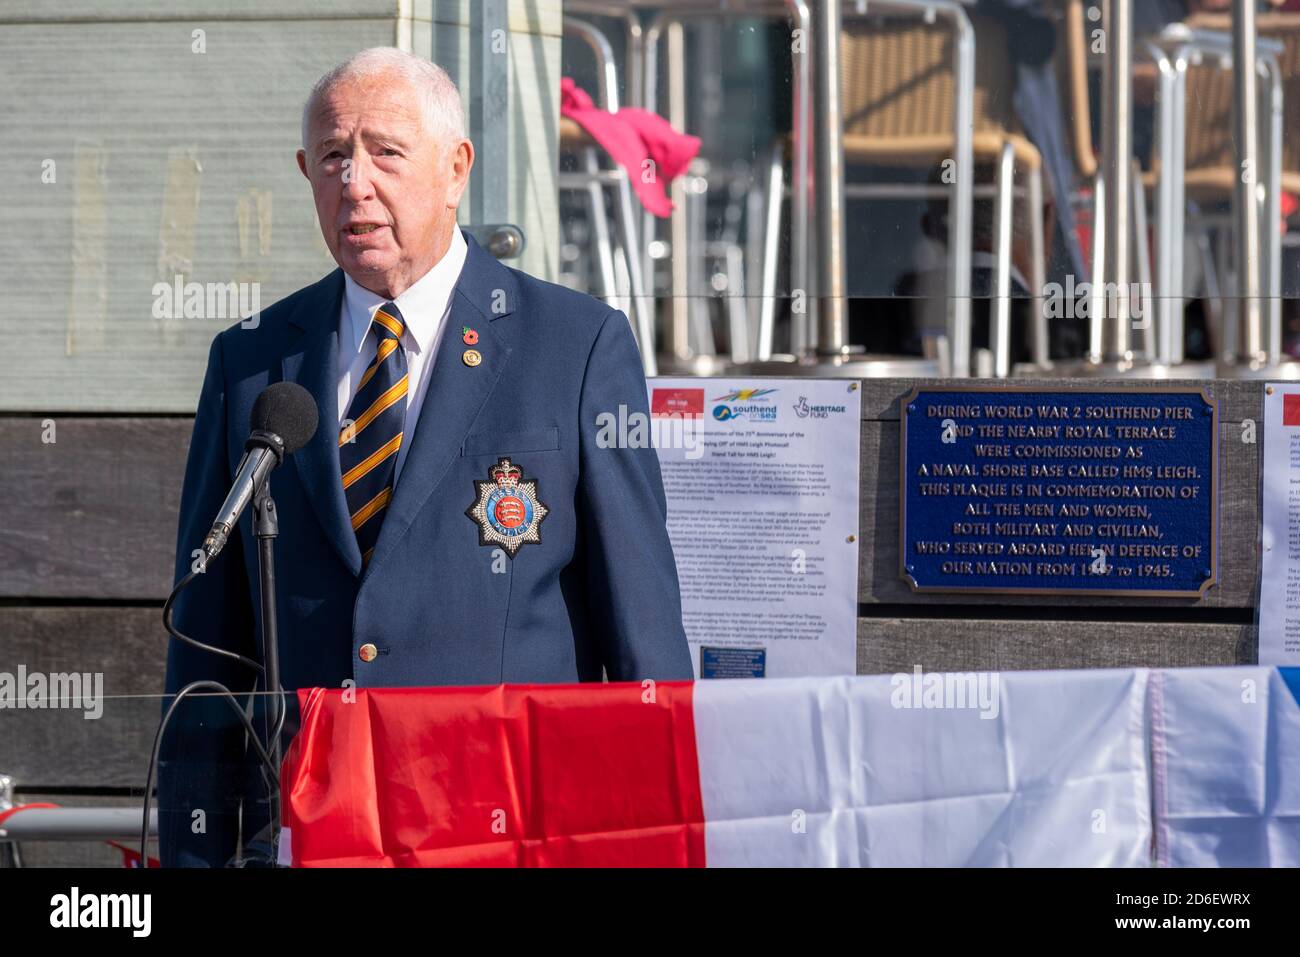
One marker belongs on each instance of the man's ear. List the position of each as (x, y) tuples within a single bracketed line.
[(302, 162), (462, 161)]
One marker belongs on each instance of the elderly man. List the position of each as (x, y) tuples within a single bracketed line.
[(454, 520)]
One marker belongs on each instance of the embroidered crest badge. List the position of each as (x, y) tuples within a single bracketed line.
[(507, 510)]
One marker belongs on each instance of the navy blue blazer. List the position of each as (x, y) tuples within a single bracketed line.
[(597, 590)]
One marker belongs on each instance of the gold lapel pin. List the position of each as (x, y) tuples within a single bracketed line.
[(471, 357)]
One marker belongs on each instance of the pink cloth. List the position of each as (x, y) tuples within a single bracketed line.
[(631, 136)]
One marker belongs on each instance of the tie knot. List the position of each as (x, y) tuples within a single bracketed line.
[(388, 322)]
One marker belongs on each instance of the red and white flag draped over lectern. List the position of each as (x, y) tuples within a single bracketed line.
[(1028, 769)]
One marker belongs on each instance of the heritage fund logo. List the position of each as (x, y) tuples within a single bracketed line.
[(806, 411), (948, 691), (75, 910)]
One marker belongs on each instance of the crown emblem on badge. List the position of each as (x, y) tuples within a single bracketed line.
[(504, 473), (506, 508)]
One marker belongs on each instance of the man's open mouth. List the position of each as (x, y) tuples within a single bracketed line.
[(364, 228)]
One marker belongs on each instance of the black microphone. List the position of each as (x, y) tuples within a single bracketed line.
[(283, 421)]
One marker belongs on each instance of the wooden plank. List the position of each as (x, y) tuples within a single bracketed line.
[(93, 513), (894, 645), (63, 748)]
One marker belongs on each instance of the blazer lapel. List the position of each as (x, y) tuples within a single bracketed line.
[(312, 361), (457, 391)]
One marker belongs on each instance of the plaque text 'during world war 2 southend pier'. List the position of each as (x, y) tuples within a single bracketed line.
[(1030, 491)]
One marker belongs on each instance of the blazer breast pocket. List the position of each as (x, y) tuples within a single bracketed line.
[(511, 442)]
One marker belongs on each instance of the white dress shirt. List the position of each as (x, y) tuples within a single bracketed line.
[(424, 307)]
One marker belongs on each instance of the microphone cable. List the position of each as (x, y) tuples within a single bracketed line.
[(225, 693)]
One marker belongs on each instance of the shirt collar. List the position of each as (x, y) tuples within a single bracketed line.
[(423, 305)]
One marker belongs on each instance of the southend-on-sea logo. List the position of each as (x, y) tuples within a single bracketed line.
[(748, 406), (804, 410), (507, 511)]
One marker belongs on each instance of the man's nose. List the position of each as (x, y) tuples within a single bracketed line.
[(357, 182)]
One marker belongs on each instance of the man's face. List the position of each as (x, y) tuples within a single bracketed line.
[(386, 189)]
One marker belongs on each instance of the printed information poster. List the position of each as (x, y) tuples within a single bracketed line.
[(1279, 593), (762, 483)]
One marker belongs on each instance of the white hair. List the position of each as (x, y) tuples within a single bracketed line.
[(443, 113)]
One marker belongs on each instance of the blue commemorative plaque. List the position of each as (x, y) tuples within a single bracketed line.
[(733, 662), (1032, 491)]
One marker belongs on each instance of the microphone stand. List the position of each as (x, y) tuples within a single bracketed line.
[(266, 526)]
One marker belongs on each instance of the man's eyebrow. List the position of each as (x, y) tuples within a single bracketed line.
[(384, 136), (369, 136)]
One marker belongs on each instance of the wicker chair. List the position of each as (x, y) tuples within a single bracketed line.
[(1211, 166), (898, 96)]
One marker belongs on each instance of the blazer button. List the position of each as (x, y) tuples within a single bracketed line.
[(368, 652)]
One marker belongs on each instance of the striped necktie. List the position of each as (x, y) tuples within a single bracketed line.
[(372, 431)]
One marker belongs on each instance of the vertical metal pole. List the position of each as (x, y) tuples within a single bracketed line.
[(700, 333), (801, 184), (960, 213), (635, 54), (1168, 126), (679, 324), (489, 108), (737, 308), (1096, 296), (1038, 269), (1177, 209), (1250, 345), (1273, 209), (1000, 334), (1143, 299), (604, 248), (650, 101), (1117, 149), (642, 314), (832, 305), (771, 241)]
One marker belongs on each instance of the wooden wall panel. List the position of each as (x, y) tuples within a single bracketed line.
[(892, 645), (56, 749), (92, 514)]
